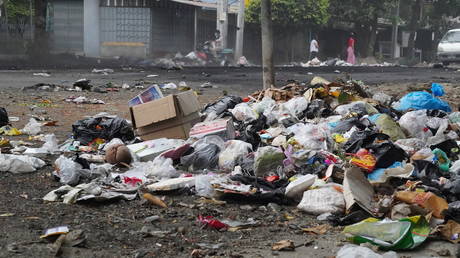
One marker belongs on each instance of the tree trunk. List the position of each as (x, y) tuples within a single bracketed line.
[(372, 39), (267, 44), (413, 26), (39, 49)]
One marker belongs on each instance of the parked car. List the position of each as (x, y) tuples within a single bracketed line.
[(449, 48)]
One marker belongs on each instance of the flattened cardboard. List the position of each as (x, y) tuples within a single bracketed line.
[(357, 189)]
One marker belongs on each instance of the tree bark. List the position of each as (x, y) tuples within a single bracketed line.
[(39, 49), (413, 26), (267, 44)]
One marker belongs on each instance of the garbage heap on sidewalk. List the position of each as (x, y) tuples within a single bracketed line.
[(386, 170)]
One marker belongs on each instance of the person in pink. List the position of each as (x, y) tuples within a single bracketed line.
[(351, 50)]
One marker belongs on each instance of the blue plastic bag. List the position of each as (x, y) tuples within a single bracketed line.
[(437, 89), (422, 100)]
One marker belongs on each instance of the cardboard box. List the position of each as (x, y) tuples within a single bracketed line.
[(221, 127), (169, 117)]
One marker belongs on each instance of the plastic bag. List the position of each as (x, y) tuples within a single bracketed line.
[(386, 125), (50, 146), (205, 154), (383, 98), (4, 120), (161, 167), (359, 107), (328, 198), (410, 145), (364, 159), (233, 150), (355, 251), (296, 106), (437, 90), (455, 167), (19, 163), (406, 233), (86, 130), (296, 188), (422, 100), (67, 170), (214, 110), (309, 136), (318, 108), (441, 160), (267, 159), (203, 186), (114, 141), (266, 103), (32, 128), (243, 112), (414, 123)]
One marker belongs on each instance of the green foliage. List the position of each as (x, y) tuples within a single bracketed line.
[(17, 9), (291, 13), (361, 11)]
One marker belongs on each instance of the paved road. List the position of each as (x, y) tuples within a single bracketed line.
[(240, 79)]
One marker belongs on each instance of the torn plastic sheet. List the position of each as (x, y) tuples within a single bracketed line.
[(19, 163)]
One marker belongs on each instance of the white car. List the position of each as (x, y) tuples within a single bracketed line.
[(449, 47)]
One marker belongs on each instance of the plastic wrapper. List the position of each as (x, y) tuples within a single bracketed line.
[(4, 120), (296, 106), (19, 163), (406, 233), (243, 112), (421, 100), (328, 198), (32, 128), (441, 160), (426, 200), (232, 151), (85, 131), (354, 251), (364, 159), (268, 159)]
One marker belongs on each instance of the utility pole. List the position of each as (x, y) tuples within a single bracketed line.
[(239, 32), (224, 20), (394, 37), (267, 44)]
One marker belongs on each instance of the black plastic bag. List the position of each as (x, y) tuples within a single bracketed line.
[(345, 125), (453, 212), (363, 139), (249, 131), (86, 130), (427, 171), (387, 154), (4, 120), (205, 156), (222, 105), (450, 147), (318, 108), (246, 163)]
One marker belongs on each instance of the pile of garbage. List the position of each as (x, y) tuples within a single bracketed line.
[(315, 62), (386, 170)]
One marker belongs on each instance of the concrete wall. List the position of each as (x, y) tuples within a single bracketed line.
[(91, 29)]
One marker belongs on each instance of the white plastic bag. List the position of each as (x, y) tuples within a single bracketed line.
[(49, 147), (414, 123), (296, 188), (296, 106), (410, 145), (310, 136), (233, 150), (32, 128), (203, 186), (19, 163), (323, 200), (161, 167), (383, 98), (243, 112), (356, 251), (67, 170), (114, 141), (264, 104)]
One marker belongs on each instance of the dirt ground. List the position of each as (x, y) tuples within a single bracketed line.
[(115, 229)]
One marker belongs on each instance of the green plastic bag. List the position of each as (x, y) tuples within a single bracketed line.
[(406, 233)]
